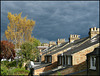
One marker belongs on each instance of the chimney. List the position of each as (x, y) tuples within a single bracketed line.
[(73, 38), (60, 41), (45, 44), (94, 31), (52, 43)]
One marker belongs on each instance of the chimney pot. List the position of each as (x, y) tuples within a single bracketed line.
[(97, 29), (94, 28), (70, 35), (91, 29), (75, 35)]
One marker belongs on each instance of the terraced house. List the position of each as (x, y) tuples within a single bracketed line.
[(93, 62), (68, 57)]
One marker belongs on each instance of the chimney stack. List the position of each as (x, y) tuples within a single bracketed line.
[(73, 38), (60, 41), (44, 44), (52, 43), (94, 31)]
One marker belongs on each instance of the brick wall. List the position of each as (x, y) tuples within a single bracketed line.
[(45, 68), (80, 56), (72, 69), (42, 57), (79, 61), (65, 71)]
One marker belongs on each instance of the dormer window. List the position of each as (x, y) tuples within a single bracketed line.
[(45, 59), (93, 62), (69, 60), (48, 59)]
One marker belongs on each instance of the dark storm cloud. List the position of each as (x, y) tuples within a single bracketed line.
[(54, 19)]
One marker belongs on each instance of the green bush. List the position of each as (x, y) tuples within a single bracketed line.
[(11, 64), (4, 62), (10, 69), (20, 63), (4, 70), (58, 73), (20, 71)]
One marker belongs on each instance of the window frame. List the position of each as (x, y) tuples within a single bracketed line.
[(50, 59), (69, 60), (93, 63), (45, 59)]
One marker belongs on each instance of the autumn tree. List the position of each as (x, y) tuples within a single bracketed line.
[(19, 29), (7, 50)]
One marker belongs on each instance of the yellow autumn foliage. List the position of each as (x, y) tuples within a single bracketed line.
[(19, 29)]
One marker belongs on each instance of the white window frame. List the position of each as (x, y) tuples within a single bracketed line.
[(69, 60), (46, 59), (92, 62), (50, 59)]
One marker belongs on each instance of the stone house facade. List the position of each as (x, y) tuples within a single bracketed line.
[(70, 54), (77, 55), (93, 62)]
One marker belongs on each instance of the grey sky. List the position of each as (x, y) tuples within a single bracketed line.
[(54, 19)]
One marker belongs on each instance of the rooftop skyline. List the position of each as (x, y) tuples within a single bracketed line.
[(54, 19)]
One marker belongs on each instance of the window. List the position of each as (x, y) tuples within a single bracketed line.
[(60, 59), (65, 60), (69, 60), (93, 62), (46, 59), (50, 59)]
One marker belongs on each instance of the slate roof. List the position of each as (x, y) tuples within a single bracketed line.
[(42, 47), (44, 52), (55, 47), (95, 52), (53, 71), (59, 46), (83, 46), (42, 65), (76, 42)]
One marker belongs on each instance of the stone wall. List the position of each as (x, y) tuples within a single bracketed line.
[(72, 69), (54, 56), (78, 61), (42, 58), (80, 56), (45, 68)]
